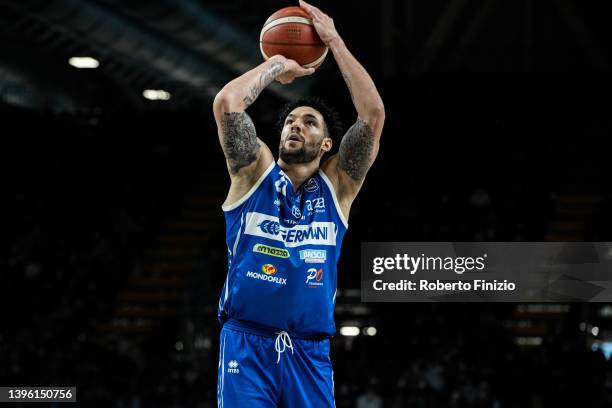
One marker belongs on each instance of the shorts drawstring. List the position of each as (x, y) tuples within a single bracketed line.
[(282, 342)]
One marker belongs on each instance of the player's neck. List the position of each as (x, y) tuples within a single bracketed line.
[(299, 172)]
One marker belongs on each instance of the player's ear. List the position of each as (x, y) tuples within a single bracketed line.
[(327, 144)]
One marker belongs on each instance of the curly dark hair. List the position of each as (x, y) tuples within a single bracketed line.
[(333, 125)]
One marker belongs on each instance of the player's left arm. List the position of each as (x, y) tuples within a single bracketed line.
[(359, 146)]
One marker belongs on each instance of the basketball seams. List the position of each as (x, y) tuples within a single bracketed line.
[(318, 60), (308, 65), (283, 20)]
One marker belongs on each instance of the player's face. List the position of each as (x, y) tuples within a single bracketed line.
[(303, 136)]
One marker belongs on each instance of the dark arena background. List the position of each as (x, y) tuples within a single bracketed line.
[(497, 128)]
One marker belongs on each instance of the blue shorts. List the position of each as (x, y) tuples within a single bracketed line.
[(259, 369)]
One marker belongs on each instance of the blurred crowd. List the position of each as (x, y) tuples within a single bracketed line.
[(78, 225)]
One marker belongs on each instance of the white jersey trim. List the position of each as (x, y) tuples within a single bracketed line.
[(245, 197), (333, 194)]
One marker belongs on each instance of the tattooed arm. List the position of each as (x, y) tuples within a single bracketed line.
[(359, 146), (246, 155)]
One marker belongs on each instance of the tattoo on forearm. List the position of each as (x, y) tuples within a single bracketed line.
[(265, 78), (356, 150), (239, 140)]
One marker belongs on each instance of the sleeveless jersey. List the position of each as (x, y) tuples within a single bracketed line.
[(283, 248)]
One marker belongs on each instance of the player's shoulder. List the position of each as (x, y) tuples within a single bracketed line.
[(243, 181), (329, 168), (344, 193)]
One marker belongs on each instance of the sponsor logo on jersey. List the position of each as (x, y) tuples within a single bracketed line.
[(295, 210), (315, 277), (270, 227), (268, 278), (311, 185), (316, 204), (232, 367), (267, 226), (313, 255), (270, 250), (268, 269)]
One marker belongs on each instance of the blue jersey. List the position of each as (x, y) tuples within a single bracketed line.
[(283, 248)]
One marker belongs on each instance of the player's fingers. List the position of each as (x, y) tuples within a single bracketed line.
[(307, 5), (321, 13), (306, 8), (312, 9), (305, 71), (318, 18), (324, 17), (315, 11), (309, 9)]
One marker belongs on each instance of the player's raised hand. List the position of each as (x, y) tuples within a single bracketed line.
[(292, 70), (323, 23)]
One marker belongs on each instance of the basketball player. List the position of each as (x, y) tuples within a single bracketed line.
[(285, 221)]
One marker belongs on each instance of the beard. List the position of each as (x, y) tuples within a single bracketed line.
[(304, 154)]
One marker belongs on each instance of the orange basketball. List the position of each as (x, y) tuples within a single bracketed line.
[(290, 33)]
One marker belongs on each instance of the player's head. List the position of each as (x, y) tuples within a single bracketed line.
[(309, 129)]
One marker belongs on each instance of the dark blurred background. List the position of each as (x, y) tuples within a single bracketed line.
[(498, 120)]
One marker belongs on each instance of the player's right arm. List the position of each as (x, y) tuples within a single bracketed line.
[(247, 157)]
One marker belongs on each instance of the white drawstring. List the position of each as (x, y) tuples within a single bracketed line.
[(282, 342)]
